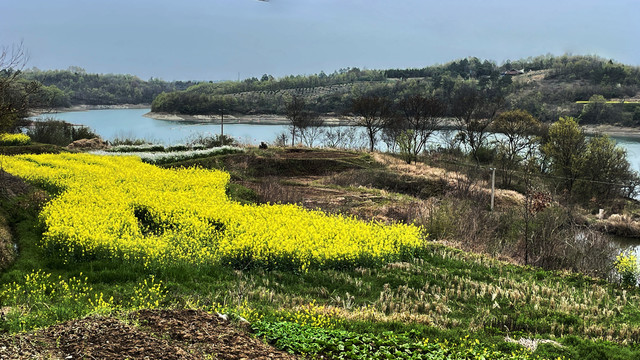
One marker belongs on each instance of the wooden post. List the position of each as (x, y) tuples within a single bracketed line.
[(493, 186), (222, 125)]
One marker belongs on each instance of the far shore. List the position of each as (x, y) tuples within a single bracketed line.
[(263, 119), (612, 130), (268, 119), (44, 112), (258, 119)]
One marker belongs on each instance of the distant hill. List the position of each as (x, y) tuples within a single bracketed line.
[(546, 86), (77, 87), (587, 87)]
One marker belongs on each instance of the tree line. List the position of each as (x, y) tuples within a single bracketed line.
[(549, 88), (585, 169), (75, 86)]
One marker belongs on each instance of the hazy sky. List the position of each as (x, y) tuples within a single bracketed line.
[(219, 39)]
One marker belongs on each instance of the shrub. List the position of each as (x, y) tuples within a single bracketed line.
[(209, 141), (126, 141), (137, 148), (58, 132), (627, 266), (14, 139)]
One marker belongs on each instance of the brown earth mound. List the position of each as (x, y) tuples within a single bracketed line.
[(89, 144), (158, 334)]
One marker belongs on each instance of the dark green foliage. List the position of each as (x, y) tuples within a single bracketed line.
[(566, 79), (241, 194), (551, 351), (30, 149), (486, 154), (208, 141), (584, 349), (58, 132), (587, 168), (298, 339), (17, 97), (75, 86)]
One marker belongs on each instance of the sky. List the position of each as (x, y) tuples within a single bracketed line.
[(236, 39)]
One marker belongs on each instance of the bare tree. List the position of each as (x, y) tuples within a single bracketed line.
[(372, 113), (14, 91), (392, 132), (474, 110), (311, 128), (340, 137), (296, 113), (518, 144), (422, 115)]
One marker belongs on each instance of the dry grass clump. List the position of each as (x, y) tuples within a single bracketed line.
[(620, 225), (455, 182), (271, 190)]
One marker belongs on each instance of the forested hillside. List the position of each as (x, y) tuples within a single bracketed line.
[(546, 86), (75, 86), (590, 88)]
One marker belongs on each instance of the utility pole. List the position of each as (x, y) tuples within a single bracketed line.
[(221, 125), (493, 186)]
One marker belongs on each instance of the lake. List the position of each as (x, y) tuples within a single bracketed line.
[(130, 123)]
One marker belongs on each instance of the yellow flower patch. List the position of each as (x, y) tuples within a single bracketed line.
[(121, 207)]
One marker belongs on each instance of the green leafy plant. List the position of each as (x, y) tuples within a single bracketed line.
[(626, 265)]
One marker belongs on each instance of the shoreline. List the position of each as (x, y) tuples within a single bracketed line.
[(259, 119), (267, 119), (76, 108), (612, 130)]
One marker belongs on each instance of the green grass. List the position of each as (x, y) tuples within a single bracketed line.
[(34, 148), (441, 293)]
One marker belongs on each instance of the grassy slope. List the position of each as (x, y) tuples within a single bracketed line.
[(442, 293)]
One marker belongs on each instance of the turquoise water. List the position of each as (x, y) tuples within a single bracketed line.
[(129, 123)]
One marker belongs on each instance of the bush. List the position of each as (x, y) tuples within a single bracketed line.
[(137, 148), (550, 351), (486, 155), (58, 132), (14, 139), (627, 266), (178, 148), (128, 141), (209, 141)]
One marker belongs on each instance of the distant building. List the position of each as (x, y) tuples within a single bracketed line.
[(513, 72)]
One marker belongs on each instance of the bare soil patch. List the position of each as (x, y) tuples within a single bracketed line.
[(295, 153), (150, 334)]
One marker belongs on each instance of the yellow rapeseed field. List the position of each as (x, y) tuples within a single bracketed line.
[(120, 207)]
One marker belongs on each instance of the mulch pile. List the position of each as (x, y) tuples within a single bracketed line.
[(147, 334), (89, 144)]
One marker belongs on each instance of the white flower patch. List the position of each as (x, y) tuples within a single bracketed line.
[(172, 156)]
